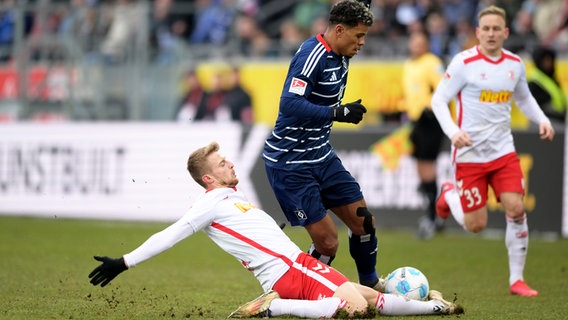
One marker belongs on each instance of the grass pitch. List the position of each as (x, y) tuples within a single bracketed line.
[(44, 265)]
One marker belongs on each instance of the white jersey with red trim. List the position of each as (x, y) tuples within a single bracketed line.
[(234, 224), (484, 88)]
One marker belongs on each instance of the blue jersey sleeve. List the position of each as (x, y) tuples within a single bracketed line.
[(303, 76)]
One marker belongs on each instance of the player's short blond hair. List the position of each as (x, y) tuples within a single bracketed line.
[(197, 162), (493, 10)]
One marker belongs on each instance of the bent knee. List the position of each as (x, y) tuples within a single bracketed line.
[(327, 247), (475, 227)]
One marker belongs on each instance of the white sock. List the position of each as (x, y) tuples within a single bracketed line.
[(324, 308), (453, 201), (395, 305), (517, 242)]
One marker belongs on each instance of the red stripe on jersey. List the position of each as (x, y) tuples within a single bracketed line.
[(480, 56), (322, 41), (459, 120), (250, 242), (511, 57)]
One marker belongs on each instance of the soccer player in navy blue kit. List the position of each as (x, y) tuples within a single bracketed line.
[(305, 173)]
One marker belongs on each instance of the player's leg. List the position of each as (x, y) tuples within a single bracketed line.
[(323, 290), (466, 199), (429, 189), (427, 137), (363, 242), (324, 239), (342, 195), (395, 305), (517, 242), (508, 186), (298, 194)]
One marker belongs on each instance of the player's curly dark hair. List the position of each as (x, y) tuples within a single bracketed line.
[(350, 13)]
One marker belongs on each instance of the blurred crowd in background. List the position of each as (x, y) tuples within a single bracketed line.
[(271, 28), (115, 59)]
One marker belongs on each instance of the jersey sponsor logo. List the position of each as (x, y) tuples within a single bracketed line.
[(498, 97), (298, 86), (244, 207)]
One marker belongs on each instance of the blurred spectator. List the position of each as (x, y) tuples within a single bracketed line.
[(8, 28), (457, 10), (79, 25), (238, 99), (213, 21), (290, 37), (192, 99), (252, 41), (213, 106), (522, 36), (166, 33), (307, 11), (392, 27), (464, 37), (551, 23), (439, 33), (124, 22), (318, 26), (544, 85)]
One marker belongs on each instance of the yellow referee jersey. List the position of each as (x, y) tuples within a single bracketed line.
[(420, 78)]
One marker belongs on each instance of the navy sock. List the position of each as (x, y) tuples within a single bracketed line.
[(430, 189), (363, 250)]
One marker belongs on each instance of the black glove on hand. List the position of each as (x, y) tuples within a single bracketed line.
[(108, 270), (350, 112)]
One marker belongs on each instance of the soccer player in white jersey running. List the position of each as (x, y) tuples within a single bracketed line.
[(484, 80), (294, 282)]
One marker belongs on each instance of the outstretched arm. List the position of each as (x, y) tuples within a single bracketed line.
[(157, 243)]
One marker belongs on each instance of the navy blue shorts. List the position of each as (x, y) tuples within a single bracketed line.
[(306, 194)]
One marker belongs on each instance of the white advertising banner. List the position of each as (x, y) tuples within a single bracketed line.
[(133, 171)]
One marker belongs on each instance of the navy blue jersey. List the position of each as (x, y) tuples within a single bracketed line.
[(315, 83)]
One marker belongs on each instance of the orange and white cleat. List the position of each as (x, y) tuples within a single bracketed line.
[(257, 308), (442, 208), (520, 288)]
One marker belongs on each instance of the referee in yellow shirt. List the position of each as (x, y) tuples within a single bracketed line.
[(421, 73)]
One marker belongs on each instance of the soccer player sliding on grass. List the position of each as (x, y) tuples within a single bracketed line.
[(485, 79), (294, 282)]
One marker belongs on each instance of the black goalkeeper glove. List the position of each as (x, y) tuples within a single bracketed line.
[(350, 112), (108, 270)]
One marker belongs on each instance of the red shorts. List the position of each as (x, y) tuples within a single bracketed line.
[(309, 279), (472, 180)]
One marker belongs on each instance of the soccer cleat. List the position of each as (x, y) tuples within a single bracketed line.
[(257, 308), (426, 228), (521, 288), (381, 285), (442, 208), (445, 306)]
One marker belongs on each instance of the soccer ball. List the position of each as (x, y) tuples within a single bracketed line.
[(409, 282)]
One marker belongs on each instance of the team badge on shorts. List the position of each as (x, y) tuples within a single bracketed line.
[(300, 214)]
